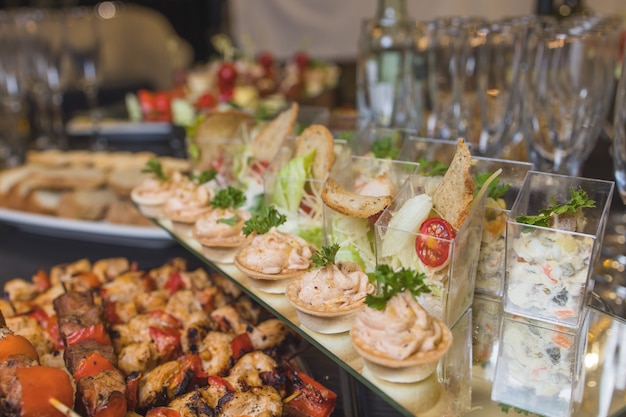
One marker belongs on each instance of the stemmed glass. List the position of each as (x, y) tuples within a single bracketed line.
[(567, 94), (82, 48)]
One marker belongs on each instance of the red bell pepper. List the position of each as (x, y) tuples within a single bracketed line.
[(41, 279), (174, 283), (97, 332), (91, 365), (162, 412), (314, 400), (240, 345), (166, 340), (49, 324)]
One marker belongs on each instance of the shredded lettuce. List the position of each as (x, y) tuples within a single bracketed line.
[(355, 239), (398, 244), (290, 181)]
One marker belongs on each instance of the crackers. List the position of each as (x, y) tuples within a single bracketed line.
[(268, 141), (453, 198), (350, 203)]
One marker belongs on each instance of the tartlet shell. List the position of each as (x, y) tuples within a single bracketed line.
[(326, 321), (270, 283), (415, 368)]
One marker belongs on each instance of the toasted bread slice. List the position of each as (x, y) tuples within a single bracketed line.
[(268, 141), (350, 203), (43, 201), (320, 139), (453, 198), (89, 204), (10, 177), (123, 180)]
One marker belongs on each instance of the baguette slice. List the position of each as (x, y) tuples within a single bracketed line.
[(268, 141), (320, 139), (43, 201), (350, 203), (9, 180), (453, 198), (90, 204)]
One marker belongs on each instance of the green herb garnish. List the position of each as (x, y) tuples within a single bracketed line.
[(392, 282), (431, 168), (325, 256), (204, 176), (346, 135), (505, 408), (579, 200), (494, 190), (231, 221), (385, 148), (267, 218), (153, 166), (228, 197)]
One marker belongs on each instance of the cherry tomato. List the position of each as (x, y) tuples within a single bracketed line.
[(301, 59), (162, 102), (430, 244), (39, 384), (146, 101), (14, 344), (205, 101), (226, 75), (265, 58)]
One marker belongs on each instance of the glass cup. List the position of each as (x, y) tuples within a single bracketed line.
[(540, 366), (490, 271), (549, 271), (355, 235), (452, 282), (619, 134), (486, 321), (568, 98)]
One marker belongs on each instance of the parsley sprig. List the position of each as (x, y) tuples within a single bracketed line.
[(430, 168), (325, 256), (385, 148), (392, 282), (153, 166), (204, 176), (261, 223), (578, 201), (495, 190), (229, 197)]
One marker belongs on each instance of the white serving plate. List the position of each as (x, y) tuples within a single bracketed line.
[(93, 231)]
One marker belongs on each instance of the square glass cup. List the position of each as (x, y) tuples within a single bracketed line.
[(296, 194), (549, 272), (451, 282), (486, 321), (490, 269), (355, 235), (540, 366)]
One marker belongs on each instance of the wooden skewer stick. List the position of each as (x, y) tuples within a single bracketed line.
[(63, 408)]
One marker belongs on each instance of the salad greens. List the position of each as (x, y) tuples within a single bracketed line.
[(356, 240), (325, 256), (579, 200), (153, 166), (495, 190), (228, 197), (290, 182), (261, 223), (392, 282)]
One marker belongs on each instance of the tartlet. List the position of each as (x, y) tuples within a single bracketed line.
[(220, 240), (152, 193), (413, 360), (188, 202), (327, 299), (272, 259)]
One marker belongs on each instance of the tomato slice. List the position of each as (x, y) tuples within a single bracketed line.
[(431, 244)]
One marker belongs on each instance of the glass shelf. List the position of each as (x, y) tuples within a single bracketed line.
[(604, 359)]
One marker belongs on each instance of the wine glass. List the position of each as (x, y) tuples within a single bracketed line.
[(82, 50), (567, 94)]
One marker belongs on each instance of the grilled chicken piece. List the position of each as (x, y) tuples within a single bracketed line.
[(200, 402), (19, 289), (159, 386), (6, 308), (110, 268), (163, 273), (30, 328), (246, 372), (137, 357), (147, 301), (268, 334), (62, 272), (215, 352), (257, 402), (181, 304), (230, 319), (124, 288), (45, 299), (197, 326)]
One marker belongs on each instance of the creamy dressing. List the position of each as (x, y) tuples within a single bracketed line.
[(334, 286), (211, 227), (400, 330), (188, 202), (275, 251)]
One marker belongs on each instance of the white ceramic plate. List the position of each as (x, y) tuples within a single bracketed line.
[(93, 231)]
